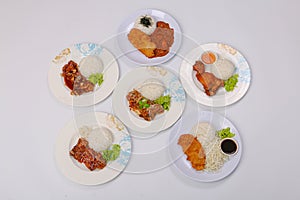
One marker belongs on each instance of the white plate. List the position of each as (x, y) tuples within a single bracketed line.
[(137, 76), (68, 138), (135, 55), (221, 98), (184, 126), (76, 52)]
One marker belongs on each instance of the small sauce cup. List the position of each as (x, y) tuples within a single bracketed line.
[(209, 57), (229, 146)]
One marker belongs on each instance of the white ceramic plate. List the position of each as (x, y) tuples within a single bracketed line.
[(137, 76), (132, 53), (222, 97), (76, 53), (68, 138), (184, 126)]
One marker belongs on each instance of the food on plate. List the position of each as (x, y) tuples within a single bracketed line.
[(210, 83), (83, 78), (99, 138), (229, 146), (142, 42), (148, 100), (151, 89), (163, 37), (214, 73), (208, 57), (95, 147), (225, 133), (74, 80), (86, 155), (90, 65), (223, 69), (230, 84), (210, 140), (193, 150), (153, 40), (145, 24), (113, 153)]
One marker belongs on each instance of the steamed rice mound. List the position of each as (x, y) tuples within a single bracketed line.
[(223, 69), (99, 139), (151, 89), (90, 65)]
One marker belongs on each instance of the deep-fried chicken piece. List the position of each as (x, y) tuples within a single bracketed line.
[(199, 67), (194, 151), (210, 83), (142, 42)]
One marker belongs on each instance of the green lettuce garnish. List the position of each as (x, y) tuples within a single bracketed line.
[(144, 103), (112, 154), (165, 101), (225, 133), (230, 84), (96, 78)]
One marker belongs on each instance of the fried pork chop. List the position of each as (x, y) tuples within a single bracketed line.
[(194, 151), (84, 154)]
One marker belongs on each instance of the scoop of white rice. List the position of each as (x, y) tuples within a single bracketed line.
[(148, 30), (151, 89), (90, 65), (223, 69), (99, 139), (205, 134)]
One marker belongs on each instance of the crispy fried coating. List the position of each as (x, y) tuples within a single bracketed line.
[(142, 42), (194, 151)]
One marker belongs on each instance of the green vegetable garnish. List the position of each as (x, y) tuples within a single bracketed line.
[(144, 103), (96, 78), (225, 133), (231, 83), (165, 101), (112, 154)]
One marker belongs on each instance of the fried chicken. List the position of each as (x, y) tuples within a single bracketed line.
[(142, 42), (209, 81), (194, 151)]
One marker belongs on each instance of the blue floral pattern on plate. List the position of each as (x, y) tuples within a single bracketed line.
[(87, 49)]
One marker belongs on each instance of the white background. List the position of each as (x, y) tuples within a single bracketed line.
[(266, 32)]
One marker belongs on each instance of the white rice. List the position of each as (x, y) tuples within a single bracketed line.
[(151, 89), (206, 135), (90, 65), (99, 139), (223, 68), (148, 30)]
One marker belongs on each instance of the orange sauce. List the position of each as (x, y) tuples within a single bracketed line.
[(208, 57)]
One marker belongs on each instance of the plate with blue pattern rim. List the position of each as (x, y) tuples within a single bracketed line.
[(68, 137), (136, 77), (135, 55), (222, 98), (77, 52), (185, 125)]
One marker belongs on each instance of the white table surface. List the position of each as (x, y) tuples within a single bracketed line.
[(266, 32)]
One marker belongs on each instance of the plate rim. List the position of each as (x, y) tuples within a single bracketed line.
[(57, 90), (178, 159), (146, 130), (152, 61), (108, 173), (207, 101)]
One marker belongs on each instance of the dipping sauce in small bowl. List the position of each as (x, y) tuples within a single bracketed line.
[(209, 57), (229, 146)]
